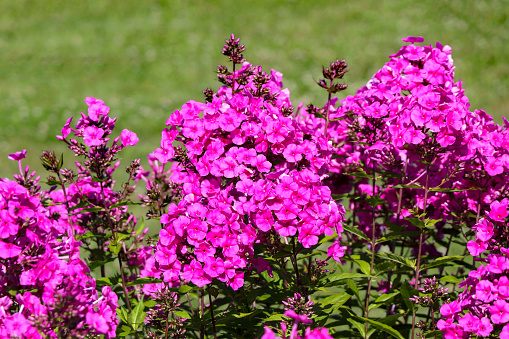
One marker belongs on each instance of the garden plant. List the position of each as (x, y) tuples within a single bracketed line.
[(377, 215)]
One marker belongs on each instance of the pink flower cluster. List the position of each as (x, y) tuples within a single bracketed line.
[(249, 172), (483, 307), (317, 333), (44, 285)]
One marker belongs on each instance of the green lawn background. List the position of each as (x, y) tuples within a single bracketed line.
[(146, 58)]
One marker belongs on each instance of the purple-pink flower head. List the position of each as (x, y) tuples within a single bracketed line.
[(92, 136), (18, 155), (413, 39), (128, 138)]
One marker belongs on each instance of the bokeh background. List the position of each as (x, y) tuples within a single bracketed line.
[(146, 58)]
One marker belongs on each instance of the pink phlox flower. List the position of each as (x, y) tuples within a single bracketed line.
[(450, 309), (237, 281), (97, 322), (214, 266), (413, 39), (264, 220), (476, 247), (420, 116), (469, 323), (261, 163), (193, 129), (308, 235), (92, 136), (494, 166), (18, 155), (93, 101), (336, 251), (413, 136), (285, 228), (7, 227), (97, 110), (498, 210), (286, 187), (298, 317), (8, 250), (293, 153), (505, 332), (445, 139), (485, 291), (128, 138), (175, 119), (165, 153), (499, 312), (214, 150), (484, 327), (503, 287), (498, 264), (435, 71), (288, 210)]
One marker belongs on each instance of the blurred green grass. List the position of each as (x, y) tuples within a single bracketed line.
[(146, 58)]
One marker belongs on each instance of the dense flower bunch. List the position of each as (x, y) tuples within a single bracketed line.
[(483, 306), (246, 193), (249, 174), (411, 115), (44, 285)]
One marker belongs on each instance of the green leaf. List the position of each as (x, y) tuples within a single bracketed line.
[(408, 186), (438, 189), (337, 299), (143, 281), (375, 201), (122, 314), (275, 317), (398, 235), (103, 281), (407, 292), (185, 289), (243, 315), (383, 267), (450, 279), (124, 203), (137, 315), (88, 210), (416, 222), (343, 276), (386, 328), (355, 231), (431, 222), (182, 314), (396, 258), (94, 264), (442, 261), (365, 267), (386, 296), (359, 326)]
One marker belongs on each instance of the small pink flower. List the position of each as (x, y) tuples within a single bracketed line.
[(18, 155), (128, 138), (8, 250), (92, 136)]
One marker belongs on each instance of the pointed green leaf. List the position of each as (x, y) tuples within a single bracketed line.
[(450, 279), (386, 328), (442, 261), (355, 231), (407, 292), (396, 258), (137, 315), (339, 298), (343, 276), (143, 281)]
